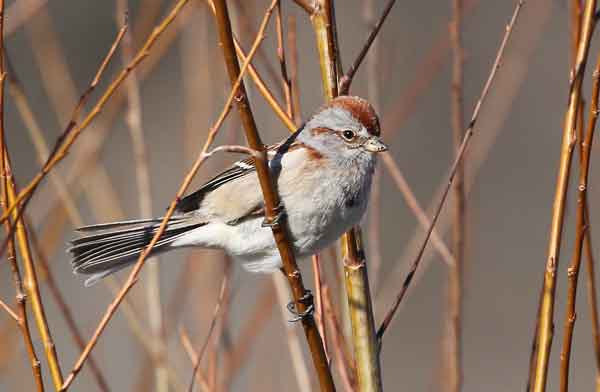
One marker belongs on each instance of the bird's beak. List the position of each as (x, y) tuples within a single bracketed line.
[(374, 144)]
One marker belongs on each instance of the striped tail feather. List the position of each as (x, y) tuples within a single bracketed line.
[(106, 248)]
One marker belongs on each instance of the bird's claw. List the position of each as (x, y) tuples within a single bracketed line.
[(277, 219), (306, 299)]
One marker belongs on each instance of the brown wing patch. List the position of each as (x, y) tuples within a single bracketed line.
[(361, 110)]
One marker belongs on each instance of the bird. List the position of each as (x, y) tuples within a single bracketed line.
[(322, 173)]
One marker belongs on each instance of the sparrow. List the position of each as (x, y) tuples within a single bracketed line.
[(323, 174)]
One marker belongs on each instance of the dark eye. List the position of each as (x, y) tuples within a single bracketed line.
[(348, 134)]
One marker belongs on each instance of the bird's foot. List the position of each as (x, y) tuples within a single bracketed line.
[(307, 300)]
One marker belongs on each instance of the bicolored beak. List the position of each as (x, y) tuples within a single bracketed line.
[(374, 144)]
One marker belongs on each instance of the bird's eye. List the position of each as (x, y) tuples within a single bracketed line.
[(348, 134)]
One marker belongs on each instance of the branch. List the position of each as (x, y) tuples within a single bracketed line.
[(451, 345), (355, 268), (544, 332), (346, 80), (270, 196), (465, 142), (585, 149)]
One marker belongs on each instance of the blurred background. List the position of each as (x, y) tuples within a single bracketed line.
[(55, 48)]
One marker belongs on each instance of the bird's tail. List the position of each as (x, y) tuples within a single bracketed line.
[(109, 247)]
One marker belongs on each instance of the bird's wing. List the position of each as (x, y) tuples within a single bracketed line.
[(235, 193), (192, 202)]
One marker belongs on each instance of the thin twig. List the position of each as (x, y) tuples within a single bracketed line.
[(213, 323), (346, 80), (451, 345), (468, 134), (544, 333), (254, 325), (316, 266), (344, 361), (191, 352), (285, 79), (293, 47), (9, 310), (413, 204), (133, 119)]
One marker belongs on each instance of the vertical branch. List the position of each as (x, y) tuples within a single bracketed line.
[(455, 279), (133, 119), (581, 227), (546, 312), (5, 174), (31, 283), (355, 268), (326, 46), (366, 350), (271, 198), (285, 79), (20, 296), (292, 44)]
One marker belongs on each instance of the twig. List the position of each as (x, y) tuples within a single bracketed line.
[(65, 311), (415, 207), (73, 130), (585, 148), (9, 310), (15, 89), (292, 44), (344, 361), (426, 72), (254, 325), (453, 339), (346, 80), (133, 119), (285, 79), (191, 352), (261, 85), (213, 323), (546, 311), (468, 134), (271, 198), (316, 266)]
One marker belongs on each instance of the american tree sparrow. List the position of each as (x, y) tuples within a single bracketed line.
[(323, 174)]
